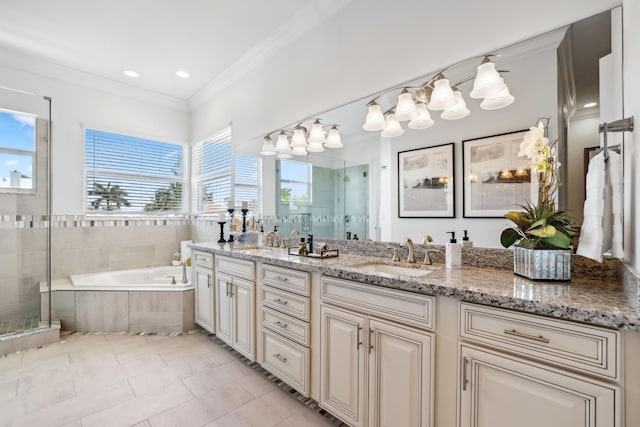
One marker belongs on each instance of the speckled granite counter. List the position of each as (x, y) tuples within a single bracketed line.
[(596, 302)]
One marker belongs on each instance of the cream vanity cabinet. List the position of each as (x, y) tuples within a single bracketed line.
[(235, 304), (377, 356), (285, 314), (202, 277), (524, 370)]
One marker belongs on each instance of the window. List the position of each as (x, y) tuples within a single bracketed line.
[(17, 151), (126, 174), (219, 176), (295, 183)]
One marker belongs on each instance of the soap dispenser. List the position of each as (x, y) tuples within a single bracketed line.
[(453, 256), (466, 243)]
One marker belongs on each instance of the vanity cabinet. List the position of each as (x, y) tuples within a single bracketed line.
[(285, 315), (235, 304), (525, 370), (202, 277), (373, 371)]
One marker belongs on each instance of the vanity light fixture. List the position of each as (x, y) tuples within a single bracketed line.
[(437, 94), (301, 144)]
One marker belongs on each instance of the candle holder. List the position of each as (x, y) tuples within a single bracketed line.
[(221, 239), (244, 219), (231, 226)]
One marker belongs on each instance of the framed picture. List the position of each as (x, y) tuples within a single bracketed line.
[(496, 179), (425, 182)]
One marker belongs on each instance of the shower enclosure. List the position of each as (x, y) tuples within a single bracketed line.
[(25, 216)]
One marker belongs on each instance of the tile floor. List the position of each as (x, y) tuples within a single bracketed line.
[(132, 380)]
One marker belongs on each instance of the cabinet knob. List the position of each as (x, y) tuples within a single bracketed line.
[(282, 325), (281, 302)]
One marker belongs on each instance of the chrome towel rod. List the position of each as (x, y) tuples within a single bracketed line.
[(622, 125)]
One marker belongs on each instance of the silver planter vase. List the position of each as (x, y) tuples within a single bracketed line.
[(542, 264)]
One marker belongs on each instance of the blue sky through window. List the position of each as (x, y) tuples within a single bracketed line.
[(16, 135)]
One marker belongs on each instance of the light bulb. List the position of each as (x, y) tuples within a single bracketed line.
[(317, 134), (457, 111), (423, 119), (499, 100), (268, 149), (282, 143), (442, 96), (375, 119), (393, 128), (406, 108), (487, 78), (333, 139), (298, 139)]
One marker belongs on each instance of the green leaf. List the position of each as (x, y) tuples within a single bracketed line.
[(544, 232), (558, 240), (518, 218), (509, 236)]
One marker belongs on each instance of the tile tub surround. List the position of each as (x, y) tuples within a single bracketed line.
[(591, 301)]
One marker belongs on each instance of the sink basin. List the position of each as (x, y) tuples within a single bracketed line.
[(394, 269)]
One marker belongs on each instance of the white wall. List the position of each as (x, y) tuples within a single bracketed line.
[(74, 106), (631, 71)]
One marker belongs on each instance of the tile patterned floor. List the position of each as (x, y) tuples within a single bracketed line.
[(133, 380), (20, 325)]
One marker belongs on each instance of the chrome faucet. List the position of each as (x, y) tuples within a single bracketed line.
[(271, 239), (411, 259), (184, 273)]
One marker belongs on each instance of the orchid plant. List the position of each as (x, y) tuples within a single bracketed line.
[(540, 226)]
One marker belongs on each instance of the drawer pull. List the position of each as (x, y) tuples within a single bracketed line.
[(282, 325), (281, 302), (358, 342), (284, 279), (465, 381), (539, 338), (280, 358), (208, 280)]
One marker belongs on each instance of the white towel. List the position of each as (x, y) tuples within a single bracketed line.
[(602, 226)]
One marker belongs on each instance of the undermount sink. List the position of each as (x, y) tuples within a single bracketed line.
[(394, 269)]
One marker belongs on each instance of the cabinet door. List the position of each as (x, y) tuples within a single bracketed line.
[(243, 317), (498, 390), (401, 378), (342, 365), (204, 297), (223, 307)]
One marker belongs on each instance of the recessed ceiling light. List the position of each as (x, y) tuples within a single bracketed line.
[(182, 74), (130, 73), (590, 104)]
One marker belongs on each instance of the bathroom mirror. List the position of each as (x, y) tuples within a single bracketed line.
[(554, 74)]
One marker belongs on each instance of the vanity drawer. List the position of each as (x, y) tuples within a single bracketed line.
[(286, 302), (203, 259), (405, 307), (236, 267), (289, 280), (583, 347), (287, 360), (294, 329)]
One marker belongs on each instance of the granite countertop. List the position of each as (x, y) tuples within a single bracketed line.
[(590, 301)]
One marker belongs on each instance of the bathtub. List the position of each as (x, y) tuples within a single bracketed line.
[(134, 300)]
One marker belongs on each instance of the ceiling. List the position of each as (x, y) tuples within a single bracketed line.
[(213, 40)]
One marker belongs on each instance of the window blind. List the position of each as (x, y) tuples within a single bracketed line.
[(127, 174)]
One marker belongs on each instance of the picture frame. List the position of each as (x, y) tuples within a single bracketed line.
[(425, 182), (495, 179)]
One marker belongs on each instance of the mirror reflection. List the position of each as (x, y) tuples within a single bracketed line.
[(560, 74)]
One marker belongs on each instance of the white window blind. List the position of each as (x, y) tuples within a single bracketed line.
[(125, 174), (219, 176)]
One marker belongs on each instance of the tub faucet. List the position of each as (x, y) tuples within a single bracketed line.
[(184, 273), (411, 259), (173, 279)]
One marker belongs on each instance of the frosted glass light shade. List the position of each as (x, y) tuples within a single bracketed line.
[(393, 128), (423, 119), (333, 139), (282, 143), (268, 149), (375, 119), (442, 96), (299, 151), (298, 139), (406, 108), (317, 134), (487, 78), (499, 100), (458, 111), (315, 147), (284, 156)]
